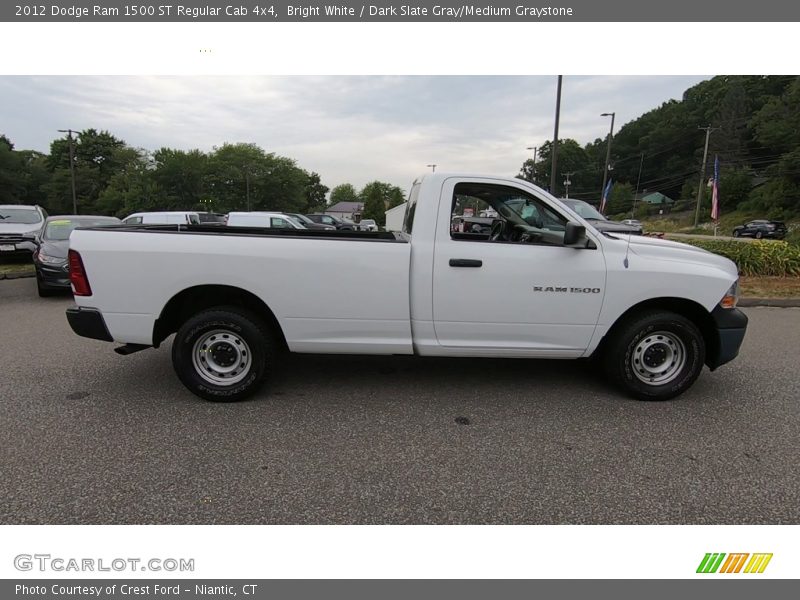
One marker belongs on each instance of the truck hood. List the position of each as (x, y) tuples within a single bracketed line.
[(658, 249), (19, 227)]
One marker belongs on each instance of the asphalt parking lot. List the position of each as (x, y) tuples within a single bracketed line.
[(87, 436)]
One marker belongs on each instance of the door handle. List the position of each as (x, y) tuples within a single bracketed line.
[(465, 262)]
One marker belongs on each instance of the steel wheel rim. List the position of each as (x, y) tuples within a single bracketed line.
[(658, 358), (221, 357)]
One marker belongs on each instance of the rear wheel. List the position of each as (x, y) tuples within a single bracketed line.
[(655, 355), (223, 354), (759, 235), (735, 233)]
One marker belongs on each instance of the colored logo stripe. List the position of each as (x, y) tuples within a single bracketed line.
[(710, 562), (733, 564), (758, 563)]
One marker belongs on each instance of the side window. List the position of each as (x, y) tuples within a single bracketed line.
[(278, 222), (133, 221), (327, 220), (483, 212)]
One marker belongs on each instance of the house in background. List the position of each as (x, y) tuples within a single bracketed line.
[(346, 210), (395, 216), (658, 199)]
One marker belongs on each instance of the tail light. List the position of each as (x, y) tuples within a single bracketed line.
[(77, 275)]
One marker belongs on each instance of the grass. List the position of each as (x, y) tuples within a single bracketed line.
[(14, 268), (769, 287)]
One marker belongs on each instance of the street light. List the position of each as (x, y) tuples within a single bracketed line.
[(608, 152), (433, 167), (69, 133), (534, 148)]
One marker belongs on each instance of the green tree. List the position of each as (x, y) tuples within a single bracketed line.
[(344, 192), (315, 193)]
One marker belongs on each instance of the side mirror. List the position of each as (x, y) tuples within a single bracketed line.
[(574, 234)]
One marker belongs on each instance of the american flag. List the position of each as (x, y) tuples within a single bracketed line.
[(604, 200), (715, 191)]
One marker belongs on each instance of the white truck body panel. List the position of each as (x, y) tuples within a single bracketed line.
[(386, 296)]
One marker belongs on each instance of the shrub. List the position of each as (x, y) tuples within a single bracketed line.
[(757, 258)]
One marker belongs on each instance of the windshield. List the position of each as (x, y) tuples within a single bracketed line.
[(302, 218), (294, 220), (58, 230), (20, 216), (584, 209)]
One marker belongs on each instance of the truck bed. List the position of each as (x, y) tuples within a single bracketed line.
[(224, 230)]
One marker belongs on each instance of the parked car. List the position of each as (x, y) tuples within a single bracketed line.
[(52, 244), (341, 224), (309, 224), (651, 312), (274, 220), (598, 220), (169, 217), (367, 225), (632, 222), (761, 228), (17, 220)]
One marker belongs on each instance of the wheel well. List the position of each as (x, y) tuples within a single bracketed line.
[(687, 308), (190, 301)]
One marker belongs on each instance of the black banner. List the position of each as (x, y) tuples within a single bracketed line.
[(519, 11)]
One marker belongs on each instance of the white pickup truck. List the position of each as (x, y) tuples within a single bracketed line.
[(543, 283)]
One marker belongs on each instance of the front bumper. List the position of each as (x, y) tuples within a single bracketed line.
[(731, 325), (53, 276), (16, 248), (88, 323)]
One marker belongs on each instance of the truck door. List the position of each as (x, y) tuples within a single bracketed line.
[(518, 290)]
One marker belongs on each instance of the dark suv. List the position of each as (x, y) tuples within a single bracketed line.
[(761, 228), (335, 221)]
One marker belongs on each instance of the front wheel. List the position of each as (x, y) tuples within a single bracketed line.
[(655, 355), (223, 354), (759, 235), (736, 233)]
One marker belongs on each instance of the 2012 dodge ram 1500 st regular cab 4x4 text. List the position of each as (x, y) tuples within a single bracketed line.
[(543, 283)]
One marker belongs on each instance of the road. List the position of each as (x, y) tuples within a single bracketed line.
[(88, 436)]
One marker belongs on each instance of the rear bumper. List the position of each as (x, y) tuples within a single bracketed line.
[(88, 323), (731, 325)]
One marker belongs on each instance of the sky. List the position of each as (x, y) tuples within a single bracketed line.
[(352, 129)]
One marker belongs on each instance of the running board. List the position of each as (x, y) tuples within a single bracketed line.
[(130, 349)]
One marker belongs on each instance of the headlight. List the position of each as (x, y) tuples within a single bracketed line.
[(731, 297), (49, 260)]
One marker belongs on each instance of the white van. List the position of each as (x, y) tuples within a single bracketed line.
[(274, 220), (162, 218)]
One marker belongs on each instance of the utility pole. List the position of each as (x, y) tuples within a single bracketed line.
[(554, 148), (69, 133), (638, 180), (567, 183), (533, 173), (247, 187), (433, 167), (608, 153), (708, 131)]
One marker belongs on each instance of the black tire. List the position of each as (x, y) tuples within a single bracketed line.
[(682, 338), (43, 291), (238, 324), (735, 233), (759, 235)]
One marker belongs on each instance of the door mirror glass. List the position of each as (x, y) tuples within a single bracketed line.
[(574, 234)]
